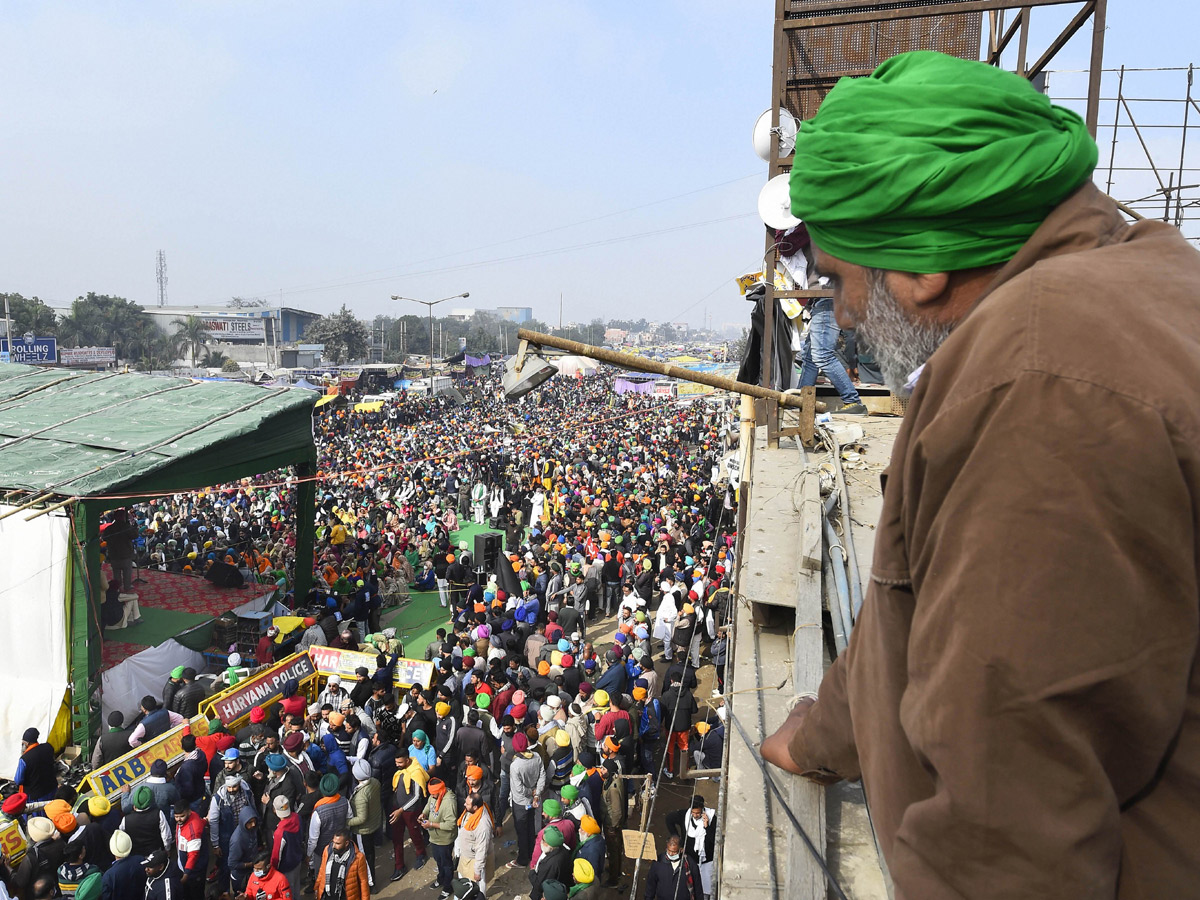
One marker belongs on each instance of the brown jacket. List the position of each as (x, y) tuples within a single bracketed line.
[(1021, 695), (358, 885)]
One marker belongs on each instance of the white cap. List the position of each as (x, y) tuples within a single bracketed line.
[(334, 679)]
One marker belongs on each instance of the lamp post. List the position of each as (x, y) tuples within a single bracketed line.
[(430, 304)]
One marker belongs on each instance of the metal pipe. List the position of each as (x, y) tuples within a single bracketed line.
[(856, 594), (637, 364), (1095, 67), (839, 578), (835, 608), (1182, 150)]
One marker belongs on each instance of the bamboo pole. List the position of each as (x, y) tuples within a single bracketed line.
[(638, 364)]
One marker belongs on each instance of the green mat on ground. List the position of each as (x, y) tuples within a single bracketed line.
[(417, 623), (157, 625)]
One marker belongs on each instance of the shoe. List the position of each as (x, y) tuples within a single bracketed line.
[(854, 409), (398, 874), (444, 895), (513, 864), (421, 860)]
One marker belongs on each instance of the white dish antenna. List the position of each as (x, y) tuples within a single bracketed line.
[(775, 204), (786, 134)]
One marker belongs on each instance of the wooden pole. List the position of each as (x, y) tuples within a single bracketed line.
[(638, 364)]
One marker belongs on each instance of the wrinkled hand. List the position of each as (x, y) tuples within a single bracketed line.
[(774, 748)]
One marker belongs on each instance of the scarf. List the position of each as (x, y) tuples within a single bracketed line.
[(697, 831), (437, 790), (337, 867), (934, 164), (414, 772), (470, 820)]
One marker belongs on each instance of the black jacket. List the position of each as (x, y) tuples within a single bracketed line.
[(665, 883), (39, 781), (552, 866), (187, 699)]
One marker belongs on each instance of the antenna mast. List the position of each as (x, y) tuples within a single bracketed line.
[(162, 278)]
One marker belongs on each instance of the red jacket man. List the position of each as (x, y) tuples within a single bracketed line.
[(267, 879)]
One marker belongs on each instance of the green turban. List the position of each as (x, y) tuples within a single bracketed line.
[(553, 837), (552, 809), (934, 164), (142, 797)]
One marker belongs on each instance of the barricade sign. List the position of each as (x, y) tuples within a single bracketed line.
[(260, 689), (12, 843), (331, 661), (134, 767)]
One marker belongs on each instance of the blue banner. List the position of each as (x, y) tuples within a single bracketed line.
[(31, 350)]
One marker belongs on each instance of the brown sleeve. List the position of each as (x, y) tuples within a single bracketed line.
[(824, 746), (1051, 541)]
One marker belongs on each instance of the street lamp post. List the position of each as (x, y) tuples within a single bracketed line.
[(430, 304)]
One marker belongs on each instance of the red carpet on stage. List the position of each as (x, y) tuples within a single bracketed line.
[(191, 594), (171, 604)]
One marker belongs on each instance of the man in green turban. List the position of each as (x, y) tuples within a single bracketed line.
[(1020, 693)]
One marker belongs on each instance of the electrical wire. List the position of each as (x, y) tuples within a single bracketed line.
[(322, 285), (535, 254)]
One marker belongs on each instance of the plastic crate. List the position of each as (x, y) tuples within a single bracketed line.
[(254, 623)]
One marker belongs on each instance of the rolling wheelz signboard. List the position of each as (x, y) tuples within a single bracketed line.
[(30, 350)]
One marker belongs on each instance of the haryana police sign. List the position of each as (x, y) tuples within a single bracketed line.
[(261, 689), (31, 350)]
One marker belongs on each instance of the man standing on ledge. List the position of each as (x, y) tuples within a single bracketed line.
[(1021, 695)]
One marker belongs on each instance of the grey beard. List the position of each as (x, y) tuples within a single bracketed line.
[(900, 343)]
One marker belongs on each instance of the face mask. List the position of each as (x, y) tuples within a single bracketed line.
[(260, 874), (673, 857)]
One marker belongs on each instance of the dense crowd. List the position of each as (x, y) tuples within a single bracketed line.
[(564, 673)]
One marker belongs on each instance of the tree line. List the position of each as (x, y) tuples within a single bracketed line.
[(102, 320)]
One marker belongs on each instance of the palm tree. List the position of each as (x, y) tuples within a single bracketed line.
[(214, 359), (191, 334)]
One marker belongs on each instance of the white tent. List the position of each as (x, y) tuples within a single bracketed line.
[(576, 365), (33, 620)]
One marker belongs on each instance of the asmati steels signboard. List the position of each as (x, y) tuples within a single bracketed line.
[(235, 328)]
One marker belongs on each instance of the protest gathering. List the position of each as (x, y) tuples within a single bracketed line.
[(572, 675)]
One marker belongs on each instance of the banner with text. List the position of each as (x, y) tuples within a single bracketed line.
[(133, 768), (87, 356), (343, 662), (261, 689), (31, 350), (235, 328)]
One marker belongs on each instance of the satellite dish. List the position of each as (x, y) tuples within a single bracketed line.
[(775, 204), (523, 372), (761, 135)]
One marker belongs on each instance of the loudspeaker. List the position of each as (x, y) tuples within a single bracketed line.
[(224, 575), (488, 547)]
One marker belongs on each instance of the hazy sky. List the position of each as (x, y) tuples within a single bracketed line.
[(347, 151)]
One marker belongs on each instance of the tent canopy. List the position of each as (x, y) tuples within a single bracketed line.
[(102, 438), (82, 434), (575, 365)]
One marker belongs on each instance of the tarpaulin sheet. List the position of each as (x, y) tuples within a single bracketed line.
[(126, 683), (625, 386), (137, 429), (33, 628)]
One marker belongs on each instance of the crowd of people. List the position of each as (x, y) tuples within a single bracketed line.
[(565, 672)]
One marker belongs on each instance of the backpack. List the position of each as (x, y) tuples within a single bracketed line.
[(644, 724)]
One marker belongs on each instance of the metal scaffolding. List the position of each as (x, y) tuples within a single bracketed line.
[(816, 42), (1147, 116)]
